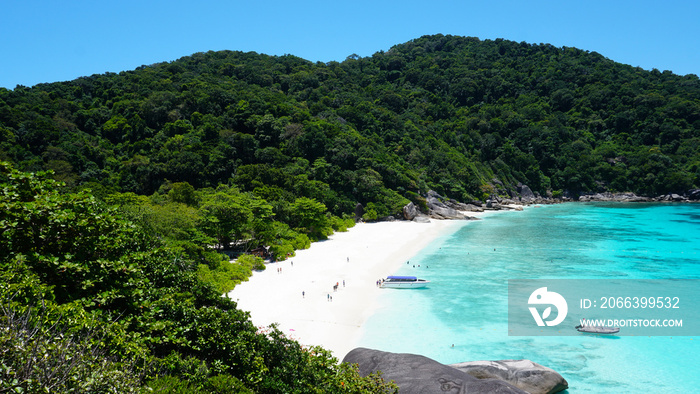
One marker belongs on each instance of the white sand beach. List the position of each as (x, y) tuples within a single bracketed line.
[(355, 260)]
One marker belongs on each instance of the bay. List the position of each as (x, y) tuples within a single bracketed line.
[(463, 316)]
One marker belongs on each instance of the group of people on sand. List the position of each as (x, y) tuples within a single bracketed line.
[(328, 297), (335, 289)]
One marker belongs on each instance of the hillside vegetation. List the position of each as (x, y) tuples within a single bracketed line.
[(452, 114)]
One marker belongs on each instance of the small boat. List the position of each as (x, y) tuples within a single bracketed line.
[(403, 282), (597, 329)]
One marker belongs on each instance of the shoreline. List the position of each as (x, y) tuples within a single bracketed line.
[(355, 260)]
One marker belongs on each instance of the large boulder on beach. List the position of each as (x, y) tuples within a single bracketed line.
[(524, 374), (410, 211), (447, 213), (416, 374)]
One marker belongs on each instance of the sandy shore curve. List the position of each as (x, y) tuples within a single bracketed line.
[(298, 293)]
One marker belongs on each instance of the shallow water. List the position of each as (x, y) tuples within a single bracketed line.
[(463, 314)]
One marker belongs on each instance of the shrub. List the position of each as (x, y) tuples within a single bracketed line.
[(252, 262), (342, 224), (370, 213)]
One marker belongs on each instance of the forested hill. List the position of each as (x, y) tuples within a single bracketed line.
[(465, 117)]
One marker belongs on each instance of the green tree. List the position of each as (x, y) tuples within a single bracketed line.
[(182, 192), (232, 216), (72, 242), (309, 217)]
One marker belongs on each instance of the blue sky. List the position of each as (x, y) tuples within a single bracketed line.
[(48, 41)]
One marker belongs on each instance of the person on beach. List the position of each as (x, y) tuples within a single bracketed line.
[(303, 294)]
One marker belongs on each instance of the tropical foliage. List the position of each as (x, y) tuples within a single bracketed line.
[(90, 302)]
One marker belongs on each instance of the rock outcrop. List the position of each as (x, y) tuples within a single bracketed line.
[(672, 197), (410, 211), (440, 207), (526, 194), (618, 197), (523, 374), (418, 374), (443, 208), (498, 204)]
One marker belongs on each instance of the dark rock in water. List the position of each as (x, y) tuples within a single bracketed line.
[(416, 374), (524, 374), (694, 194), (410, 211)]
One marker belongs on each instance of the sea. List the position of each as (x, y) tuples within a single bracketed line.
[(463, 314)]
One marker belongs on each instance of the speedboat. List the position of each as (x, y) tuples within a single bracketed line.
[(403, 282), (597, 329)]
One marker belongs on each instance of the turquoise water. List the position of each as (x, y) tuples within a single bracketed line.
[(463, 315)]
